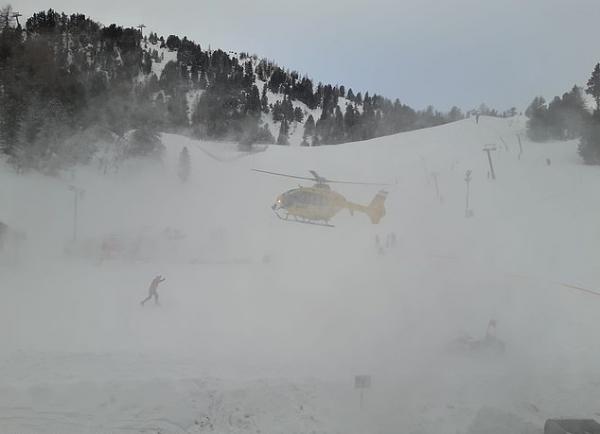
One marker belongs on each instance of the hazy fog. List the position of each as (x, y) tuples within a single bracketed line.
[(248, 296)]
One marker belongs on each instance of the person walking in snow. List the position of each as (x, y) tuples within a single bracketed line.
[(390, 241), (152, 289), (378, 245), (490, 333)]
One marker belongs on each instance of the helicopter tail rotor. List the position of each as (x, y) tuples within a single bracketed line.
[(376, 209)]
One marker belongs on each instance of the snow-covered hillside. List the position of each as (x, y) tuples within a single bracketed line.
[(263, 324), (165, 55)]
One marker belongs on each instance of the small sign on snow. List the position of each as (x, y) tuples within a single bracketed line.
[(362, 381)]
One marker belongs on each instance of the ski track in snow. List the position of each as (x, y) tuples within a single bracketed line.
[(263, 325)]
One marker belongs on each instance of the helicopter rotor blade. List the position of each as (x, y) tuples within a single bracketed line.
[(356, 183), (283, 174), (319, 179), (323, 180)]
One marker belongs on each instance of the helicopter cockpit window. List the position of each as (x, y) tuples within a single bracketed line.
[(302, 198)]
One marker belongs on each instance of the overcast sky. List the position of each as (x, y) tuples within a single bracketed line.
[(439, 52)]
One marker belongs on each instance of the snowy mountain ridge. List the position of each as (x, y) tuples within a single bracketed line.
[(89, 84)]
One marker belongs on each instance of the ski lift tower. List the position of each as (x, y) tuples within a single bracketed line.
[(362, 383), (78, 194), (16, 16), (468, 212), (435, 176), (488, 149)]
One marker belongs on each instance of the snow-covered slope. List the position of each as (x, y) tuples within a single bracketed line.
[(263, 324)]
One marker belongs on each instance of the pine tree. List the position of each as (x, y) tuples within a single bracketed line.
[(315, 139), (455, 114), (170, 76), (367, 99), (253, 104), (145, 142), (483, 110), (11, 114), (29, 151), (298, 114), (350, 95), (173, 42), (264, 135), (537, 125), (288, 109), (277, 112), (249, 77), (338, 126), (184, 165), (593, 85), (194, 74), (350, 120), (282, 139), (589, 145), (575, 113), (202, 80), (177, 109), (264, 100), (555, 121), (147, 63), (309, 127)]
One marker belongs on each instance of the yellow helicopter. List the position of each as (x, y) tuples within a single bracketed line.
[(316, 205)]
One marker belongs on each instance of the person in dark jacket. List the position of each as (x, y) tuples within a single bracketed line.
[(152, 289)]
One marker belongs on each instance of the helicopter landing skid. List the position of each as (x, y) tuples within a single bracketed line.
[(303, 221)]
